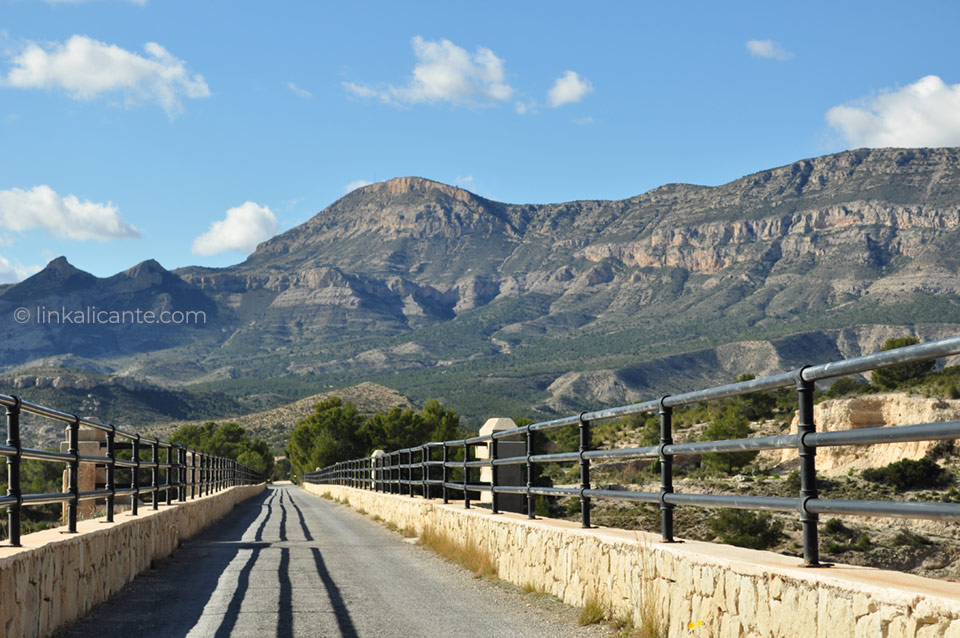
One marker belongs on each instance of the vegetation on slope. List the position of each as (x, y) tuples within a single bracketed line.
[(336, 431), (228, 440)]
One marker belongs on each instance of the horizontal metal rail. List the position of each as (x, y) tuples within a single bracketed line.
[(413, 468), (182, 470)]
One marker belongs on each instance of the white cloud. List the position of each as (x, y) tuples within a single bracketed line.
[(583, 121), (768, 49), (466, 182), (242, 229), (522, 107), (86, 69), (305, 94), (64, 217), (354, 185), (14, 271), (568, 89), (925, 113), (445, 73)]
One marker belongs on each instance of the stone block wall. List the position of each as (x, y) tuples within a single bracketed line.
[(731, 591), (55, 577)]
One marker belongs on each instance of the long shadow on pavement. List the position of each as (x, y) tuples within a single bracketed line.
[(169, 599)]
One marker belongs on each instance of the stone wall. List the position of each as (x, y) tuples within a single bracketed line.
[(723, 591), (55, 577)]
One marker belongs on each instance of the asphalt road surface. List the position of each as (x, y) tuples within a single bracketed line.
[(287, 563)]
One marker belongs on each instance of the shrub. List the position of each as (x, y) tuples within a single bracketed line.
[(835, 527), (942, 450), (907, 474), (906, 537), (731, 424), (756, 530), (847, 386), (897, 376), (843, 538), (592, 612), (541, 506), (793, 481)]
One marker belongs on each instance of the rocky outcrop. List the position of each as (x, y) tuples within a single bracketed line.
[(874, 411)]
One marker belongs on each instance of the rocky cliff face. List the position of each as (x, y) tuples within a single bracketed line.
[(873, 411), (816, 233)]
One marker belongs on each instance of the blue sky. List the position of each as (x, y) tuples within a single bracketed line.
[(187, 131)]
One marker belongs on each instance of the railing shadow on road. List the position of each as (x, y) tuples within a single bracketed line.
[(216, 547), (341, 613)]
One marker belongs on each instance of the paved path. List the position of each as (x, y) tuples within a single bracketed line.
[(287, 563)]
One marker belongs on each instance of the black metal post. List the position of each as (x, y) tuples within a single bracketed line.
[(410, 489), (399, 488), (73, 475), (531, 509), (445, 473), (584, 472), (666, 472), (111, 472), (425, 470), (808, 472), (13, 472), (155, 474), (495, 498), (181, 473), (135, 476), (466, 476)]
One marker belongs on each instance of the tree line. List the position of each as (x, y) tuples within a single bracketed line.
[(337, 431)]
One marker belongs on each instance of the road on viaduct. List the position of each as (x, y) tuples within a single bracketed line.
[(287, 563)]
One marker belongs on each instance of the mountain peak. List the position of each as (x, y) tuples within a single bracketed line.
[(148, 267), (61, 266), (58, 276), (399, 186)]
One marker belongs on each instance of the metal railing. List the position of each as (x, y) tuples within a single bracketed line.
[(398, 471), (183, 470)]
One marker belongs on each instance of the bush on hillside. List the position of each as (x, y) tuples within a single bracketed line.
[(907, 474), (731, 424), (897, 376), (756, 530)]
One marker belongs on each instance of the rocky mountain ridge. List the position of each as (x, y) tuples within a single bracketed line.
[(448, 293)]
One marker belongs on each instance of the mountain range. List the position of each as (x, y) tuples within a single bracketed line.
[(537, 308)]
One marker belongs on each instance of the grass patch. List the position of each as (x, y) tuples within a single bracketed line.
[(468, 555), (653, 623), (593, 612), (535, 590)]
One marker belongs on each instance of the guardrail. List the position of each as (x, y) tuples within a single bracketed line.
[(396, 470), (202, 475)]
